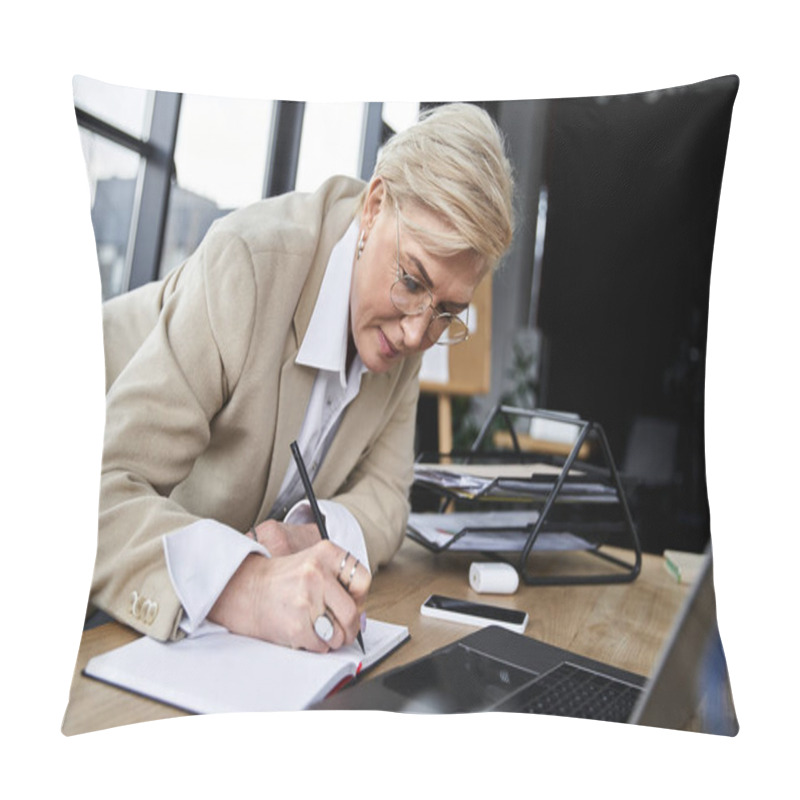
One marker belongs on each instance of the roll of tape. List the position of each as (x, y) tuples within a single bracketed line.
[(493, 578)]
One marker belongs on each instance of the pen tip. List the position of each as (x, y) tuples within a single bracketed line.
[(361, 643)]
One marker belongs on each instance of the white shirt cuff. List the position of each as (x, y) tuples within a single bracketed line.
[(201, 560), (343, 528)]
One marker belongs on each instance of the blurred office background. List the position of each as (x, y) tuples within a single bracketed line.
[(600, 308)]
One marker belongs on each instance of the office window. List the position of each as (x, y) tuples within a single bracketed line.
[(220, 160), (330, 143), (111, 144), (113, 172), (126, 108), (163, 167)]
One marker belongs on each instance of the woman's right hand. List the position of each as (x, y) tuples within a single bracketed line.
[(279, 598), (281, 538)]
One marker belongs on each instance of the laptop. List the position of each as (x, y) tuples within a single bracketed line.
[(495, 669)]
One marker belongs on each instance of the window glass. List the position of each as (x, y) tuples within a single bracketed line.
[(330, 143), (121, 106), (113, 172), (220, 160)]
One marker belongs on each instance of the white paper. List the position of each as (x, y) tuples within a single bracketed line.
[(439, 529), (224, 672)]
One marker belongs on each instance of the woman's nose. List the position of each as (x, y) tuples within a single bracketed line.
[(414, 328)]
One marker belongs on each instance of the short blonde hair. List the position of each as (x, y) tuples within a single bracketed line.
[(453, 163)]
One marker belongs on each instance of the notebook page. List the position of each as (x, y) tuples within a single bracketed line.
[(224, 672)]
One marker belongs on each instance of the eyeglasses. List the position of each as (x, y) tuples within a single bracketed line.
[(413, 298)]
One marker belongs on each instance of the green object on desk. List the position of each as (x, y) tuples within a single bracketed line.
[(683, 566)]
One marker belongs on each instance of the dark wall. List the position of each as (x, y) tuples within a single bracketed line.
[(634, 184)]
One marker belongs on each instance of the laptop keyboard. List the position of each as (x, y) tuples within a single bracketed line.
[(572, 691)]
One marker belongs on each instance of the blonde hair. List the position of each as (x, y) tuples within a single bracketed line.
[(452, 162)]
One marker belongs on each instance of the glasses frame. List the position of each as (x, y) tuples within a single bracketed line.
[(401, 275)]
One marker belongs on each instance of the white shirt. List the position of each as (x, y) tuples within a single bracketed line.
[(202, 557)]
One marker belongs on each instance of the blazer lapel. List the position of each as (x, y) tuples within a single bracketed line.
[(296, 383), (359, 424)]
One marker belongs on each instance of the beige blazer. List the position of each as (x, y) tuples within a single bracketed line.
[(204, 398)]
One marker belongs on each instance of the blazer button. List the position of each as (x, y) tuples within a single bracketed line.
[(149, 611), (136, 604)]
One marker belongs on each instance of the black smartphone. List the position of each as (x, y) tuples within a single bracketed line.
[(478, 614)]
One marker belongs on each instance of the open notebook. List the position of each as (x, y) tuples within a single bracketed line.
[(224, 672)]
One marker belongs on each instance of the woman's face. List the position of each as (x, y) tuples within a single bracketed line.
[(381, 334)]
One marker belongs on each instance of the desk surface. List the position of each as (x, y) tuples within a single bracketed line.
[(621, 624)]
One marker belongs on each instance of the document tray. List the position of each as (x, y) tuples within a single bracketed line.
[(510, 479)]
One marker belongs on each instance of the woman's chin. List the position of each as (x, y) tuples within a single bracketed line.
[(378, 355), (378, 364)]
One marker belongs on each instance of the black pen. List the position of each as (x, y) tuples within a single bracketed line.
[(312, 498)]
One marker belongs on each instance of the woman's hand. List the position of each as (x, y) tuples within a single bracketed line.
[(281, 539), (279, 598)]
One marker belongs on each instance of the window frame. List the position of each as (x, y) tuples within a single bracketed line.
[(157, 174)]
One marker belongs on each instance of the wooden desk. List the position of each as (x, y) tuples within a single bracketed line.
[(622, 624)]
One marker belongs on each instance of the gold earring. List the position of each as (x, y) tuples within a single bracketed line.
[(360, 246)]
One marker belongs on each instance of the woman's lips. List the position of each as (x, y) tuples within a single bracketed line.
[(387, 351)]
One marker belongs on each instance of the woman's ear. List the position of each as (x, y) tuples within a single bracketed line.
[(376, 196)]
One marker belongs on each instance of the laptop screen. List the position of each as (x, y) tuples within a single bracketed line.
[(456, 680)]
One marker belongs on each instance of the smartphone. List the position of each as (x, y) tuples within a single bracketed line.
[(478, 614)]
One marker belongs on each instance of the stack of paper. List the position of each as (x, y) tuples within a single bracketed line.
[(490, 531), (510, 482)]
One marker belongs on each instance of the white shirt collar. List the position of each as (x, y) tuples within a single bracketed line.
[(324, 346)]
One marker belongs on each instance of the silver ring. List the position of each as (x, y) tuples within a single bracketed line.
[(323, 627), (341, 567)]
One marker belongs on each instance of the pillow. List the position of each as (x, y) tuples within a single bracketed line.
[(607, 280)]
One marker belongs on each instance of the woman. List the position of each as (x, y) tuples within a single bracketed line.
[(302, 317)]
